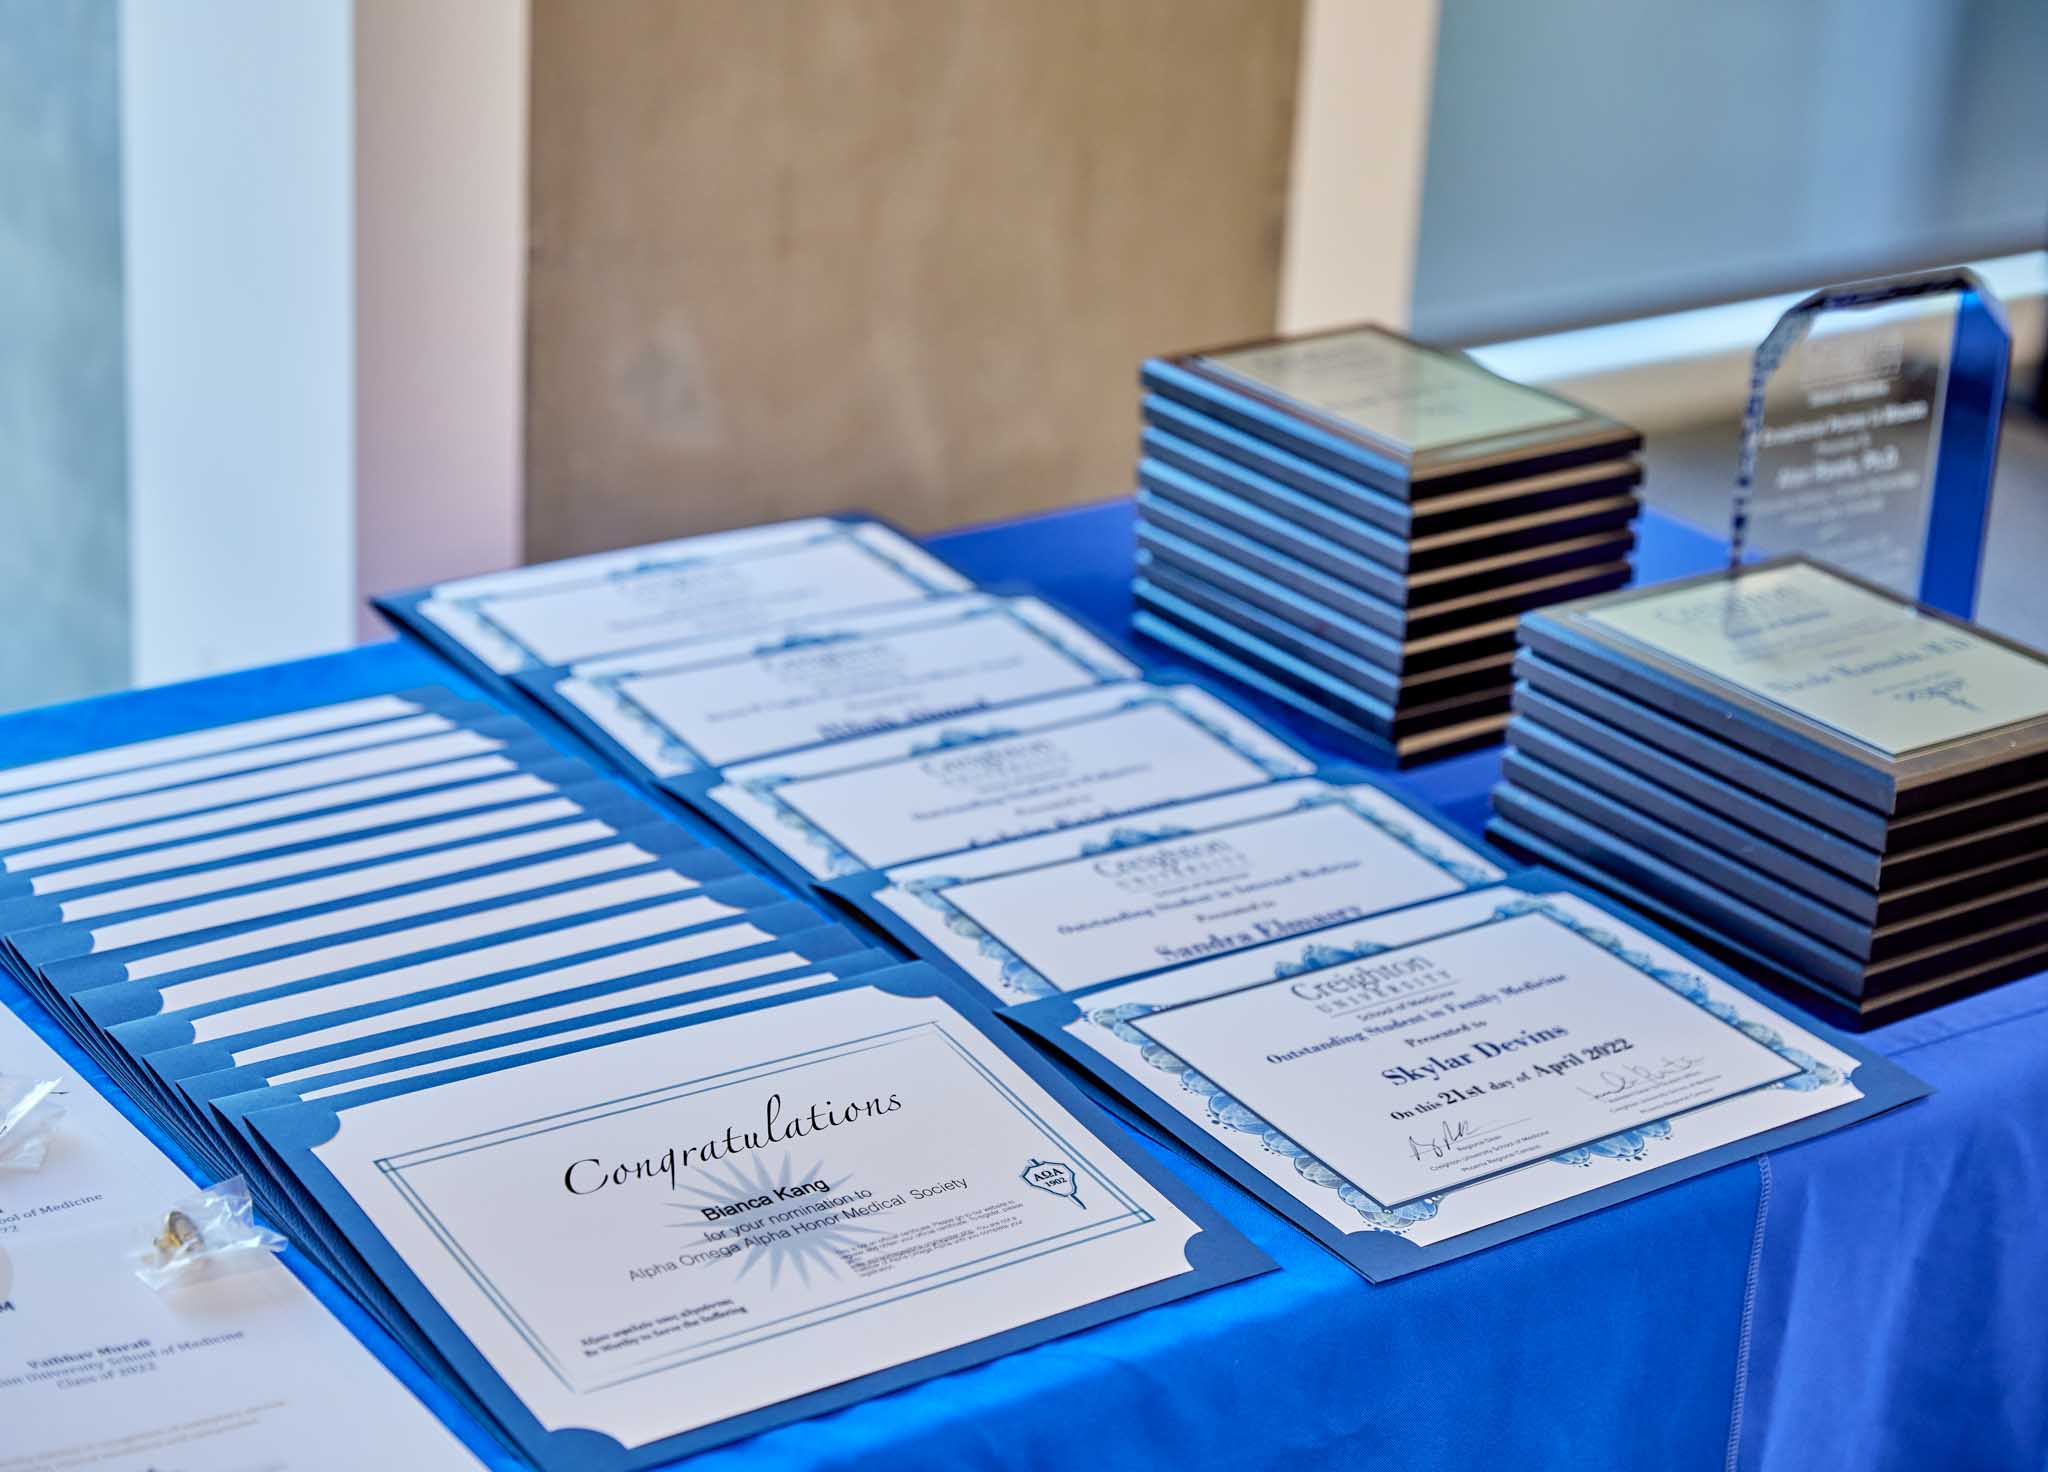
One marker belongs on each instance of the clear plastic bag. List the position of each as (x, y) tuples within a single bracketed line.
[(29, 1112), (203, 1236)]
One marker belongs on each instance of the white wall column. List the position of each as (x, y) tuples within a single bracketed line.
[(1361, 129), (237, 249), (440, 290), (324, 240)]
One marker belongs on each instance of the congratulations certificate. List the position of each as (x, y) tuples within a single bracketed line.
[(1111, 900), (697, 588), (1432, 1081), (1011, 773), (786, 1206), (706, 705)]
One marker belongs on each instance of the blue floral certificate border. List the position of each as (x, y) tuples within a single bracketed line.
[(1633, 1145), (679, 758), (838, 859), (1021, 977), (507, 654)]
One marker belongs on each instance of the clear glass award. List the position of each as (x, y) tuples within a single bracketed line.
[(1871, 431)]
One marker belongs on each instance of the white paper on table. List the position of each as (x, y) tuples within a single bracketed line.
[(922, 1233), (240, 1372)]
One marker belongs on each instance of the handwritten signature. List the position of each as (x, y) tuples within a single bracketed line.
[(1615, 1082), (1449, 1138)]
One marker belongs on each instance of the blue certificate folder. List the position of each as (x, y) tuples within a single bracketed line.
[(349, 1242), (214, 1097), (1377, 1247), (65, 960), (1089, 657), (302, 871), (366, 817), (902, 572), (170, 1043), (585, 798)]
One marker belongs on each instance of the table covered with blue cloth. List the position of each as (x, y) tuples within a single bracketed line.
[(1871, 1299)]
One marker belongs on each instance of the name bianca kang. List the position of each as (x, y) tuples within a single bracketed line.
[(590, 1175)]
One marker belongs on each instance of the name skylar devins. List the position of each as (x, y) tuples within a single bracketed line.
[(591, 1174)]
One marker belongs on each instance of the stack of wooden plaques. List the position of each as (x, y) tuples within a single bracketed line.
[(1352, 521)]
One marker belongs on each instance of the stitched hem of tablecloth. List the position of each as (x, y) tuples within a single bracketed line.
[(1742, 1337), (1962, 1032)]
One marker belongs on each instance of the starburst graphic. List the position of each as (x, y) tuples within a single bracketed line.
[(782, 1248)]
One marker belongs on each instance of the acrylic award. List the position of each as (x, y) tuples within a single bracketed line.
[(1871, 431)]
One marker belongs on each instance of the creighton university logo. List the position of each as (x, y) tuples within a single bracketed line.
[(1053, 1176)]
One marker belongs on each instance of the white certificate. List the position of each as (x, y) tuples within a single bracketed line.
[(214, 796), (1464, 1057), (97, 1170), (219, 765), (1446, 1067), (346, 886), (676, 1229), (235, 1011), (208, 741), (698, 588), (1113, 900), (1009, 774), (398, 921), (715, 702), (302, 835), (336, 796), (97, 1370), (185, 887)]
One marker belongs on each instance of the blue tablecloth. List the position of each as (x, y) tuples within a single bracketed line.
[(1871, 1299)]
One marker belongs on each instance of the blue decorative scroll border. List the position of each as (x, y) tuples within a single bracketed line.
[(840, 860), (680, 758), (470, 607), (1635, 1144), (1019, 976)]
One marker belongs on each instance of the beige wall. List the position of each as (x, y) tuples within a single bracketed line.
[(905, 254), (440, 291), (1361, 123)]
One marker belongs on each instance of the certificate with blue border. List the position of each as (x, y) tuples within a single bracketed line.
[(1112, 900), (989, 778), (561, 613), (634, 1252), (1434, 1081), (703, 705)]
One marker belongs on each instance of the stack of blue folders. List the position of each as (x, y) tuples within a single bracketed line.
[(1351, 522), (310, 894), (1848, 791)]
